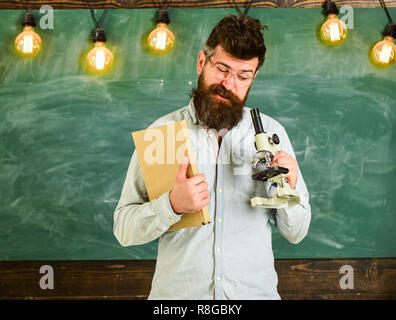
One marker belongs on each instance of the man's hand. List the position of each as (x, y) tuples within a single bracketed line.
[(189, 194), (282, 159)]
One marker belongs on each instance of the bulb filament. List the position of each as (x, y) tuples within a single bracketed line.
[(161, 40), (385, 54), (100, 59), (27, 44), (334, 31)]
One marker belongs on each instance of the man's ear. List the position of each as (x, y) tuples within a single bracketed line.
[(201, 61)]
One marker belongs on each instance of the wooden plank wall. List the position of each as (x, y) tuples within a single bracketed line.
[(313, 279), (135, 4)]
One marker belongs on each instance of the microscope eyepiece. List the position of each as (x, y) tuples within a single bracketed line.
[(258, 126)]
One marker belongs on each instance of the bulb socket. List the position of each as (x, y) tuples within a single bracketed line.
[(28, 20), (163, 17), (390, 30), (99, 35), (330, 7)]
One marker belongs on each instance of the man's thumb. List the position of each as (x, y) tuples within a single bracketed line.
[(182, 174)]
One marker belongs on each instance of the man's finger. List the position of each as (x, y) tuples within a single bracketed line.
[(182, 174), (202, 186), (279, 155), (197, 178)]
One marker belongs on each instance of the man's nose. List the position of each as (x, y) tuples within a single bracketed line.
[(229, 82)]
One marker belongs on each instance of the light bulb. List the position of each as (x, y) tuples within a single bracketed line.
[(161, 39), (28, 42), (100, 59), (383, 53), (333, 30)]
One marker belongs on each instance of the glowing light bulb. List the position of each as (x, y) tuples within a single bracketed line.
[(384, 52), (161, 39), (28, 43), (333, 31), (100, 59)]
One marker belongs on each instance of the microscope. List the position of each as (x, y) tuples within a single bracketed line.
[(282, 195)]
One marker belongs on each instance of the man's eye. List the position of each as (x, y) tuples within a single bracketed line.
[(242, 77), (221, 69)]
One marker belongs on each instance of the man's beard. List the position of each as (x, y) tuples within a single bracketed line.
[(213, 112)]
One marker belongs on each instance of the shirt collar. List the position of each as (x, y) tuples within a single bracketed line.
[(192, 112)]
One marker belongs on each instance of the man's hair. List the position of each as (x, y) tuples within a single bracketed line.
[(240, 36)]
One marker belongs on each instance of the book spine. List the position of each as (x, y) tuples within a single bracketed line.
[(193, 168)]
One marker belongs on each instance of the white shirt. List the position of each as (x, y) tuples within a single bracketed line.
[(230, 258)]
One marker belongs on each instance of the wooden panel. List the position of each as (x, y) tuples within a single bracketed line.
[(133, 4), (77, 279), (131, 279), (320, 279)]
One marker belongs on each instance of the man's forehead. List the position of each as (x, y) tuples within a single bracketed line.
[(229, 60)]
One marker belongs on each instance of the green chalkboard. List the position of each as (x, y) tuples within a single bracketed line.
[(65, 141)]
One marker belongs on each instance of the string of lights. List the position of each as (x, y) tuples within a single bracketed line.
[(161, 40)]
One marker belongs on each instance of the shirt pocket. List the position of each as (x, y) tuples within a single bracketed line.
[(242, 171)]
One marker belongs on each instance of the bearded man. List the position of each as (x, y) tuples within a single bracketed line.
[(230, 258)]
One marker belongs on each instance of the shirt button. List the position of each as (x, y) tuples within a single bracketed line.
[(220, 190), (218, 249), (217, 278), (171, 219), (219, 220), (219, 162)]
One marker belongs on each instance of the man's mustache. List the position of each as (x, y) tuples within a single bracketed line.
[(220, 90)]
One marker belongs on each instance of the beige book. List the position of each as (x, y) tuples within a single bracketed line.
[(160, 152)]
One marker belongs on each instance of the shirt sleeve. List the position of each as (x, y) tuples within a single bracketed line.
[(293, 223), (136, 219)]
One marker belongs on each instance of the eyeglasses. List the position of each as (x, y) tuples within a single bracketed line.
[(221, 72)]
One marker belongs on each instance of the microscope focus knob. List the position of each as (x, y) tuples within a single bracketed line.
[(275, 138)]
